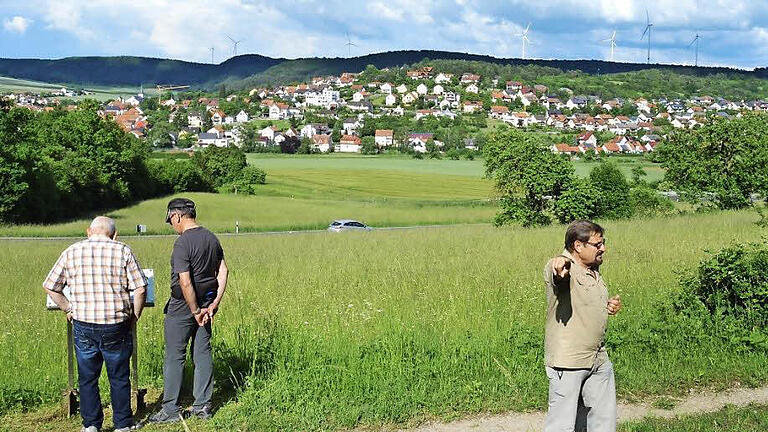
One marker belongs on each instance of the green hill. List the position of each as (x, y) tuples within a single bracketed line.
[(252, 69)]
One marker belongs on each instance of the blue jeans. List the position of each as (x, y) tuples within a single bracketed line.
[(111, 344)]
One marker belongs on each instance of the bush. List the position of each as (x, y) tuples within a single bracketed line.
[(453, 154), (220, 165), (174, 176), (248, 181), (734, 283), (646, 201), (579, 201), (613, 189)]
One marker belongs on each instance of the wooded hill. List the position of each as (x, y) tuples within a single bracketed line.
[(251, 69)]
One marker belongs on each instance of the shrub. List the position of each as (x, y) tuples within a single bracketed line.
[(734, 283), (646, 201), (608, 179), (220, 165), (248, 181), (174, 176), (578, 202)]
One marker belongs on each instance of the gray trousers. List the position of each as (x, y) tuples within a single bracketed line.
[(179, 329), (582, 391)]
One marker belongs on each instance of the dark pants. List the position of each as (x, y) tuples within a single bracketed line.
[(111, 344), (180, 328)]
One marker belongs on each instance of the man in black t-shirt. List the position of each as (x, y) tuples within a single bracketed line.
[(198, 280)]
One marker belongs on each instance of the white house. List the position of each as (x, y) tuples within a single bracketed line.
[(168, 102), (418, 141), (443, 78), (322, 143), (386, 88), (241, 117), (384, 137), (402, 88), (268, 132), (472, 88), (358, 96), (409, 98), (390, 99), (422, 89), (350, 125), (349, 144)]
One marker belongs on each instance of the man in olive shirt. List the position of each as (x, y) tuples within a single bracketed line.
[(577, 313), (198, 280)]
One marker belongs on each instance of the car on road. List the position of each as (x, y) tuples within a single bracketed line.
[(347, 225)]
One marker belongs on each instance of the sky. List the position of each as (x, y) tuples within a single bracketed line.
[(732, 32)]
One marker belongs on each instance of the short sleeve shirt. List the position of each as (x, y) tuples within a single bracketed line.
[(199, 252), (100, 273), (577, 317)]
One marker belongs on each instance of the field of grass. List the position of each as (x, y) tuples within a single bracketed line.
[(748, 419), (322, 331), (99, 93)]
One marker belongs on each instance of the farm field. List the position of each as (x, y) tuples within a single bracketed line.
[(8, 84), (321, 332)]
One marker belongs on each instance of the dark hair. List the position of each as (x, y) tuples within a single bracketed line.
[(580, 230), (189, 212)]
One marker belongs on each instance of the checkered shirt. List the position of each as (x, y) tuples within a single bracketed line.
[(100, 273)]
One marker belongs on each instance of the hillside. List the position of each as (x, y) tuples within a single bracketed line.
[(251, 69), (113, 71)]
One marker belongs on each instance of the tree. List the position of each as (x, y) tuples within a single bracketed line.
[(727, 158), (369, 145), (579, 201), (609, 181), (160, 135), (527, 175), (220, 165)]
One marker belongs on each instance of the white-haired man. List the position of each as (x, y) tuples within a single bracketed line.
[(100, 273)]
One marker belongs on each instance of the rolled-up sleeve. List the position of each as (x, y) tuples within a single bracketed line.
[(136, 277), (57, 277)]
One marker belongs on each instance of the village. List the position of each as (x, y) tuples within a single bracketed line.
[(328, 114)]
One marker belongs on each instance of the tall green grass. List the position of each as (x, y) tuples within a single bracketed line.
[(322, 331)]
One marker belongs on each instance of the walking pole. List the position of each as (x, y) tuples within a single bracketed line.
[(71, 393)]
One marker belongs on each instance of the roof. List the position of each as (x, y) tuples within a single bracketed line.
[(385, 132), (350, 139)]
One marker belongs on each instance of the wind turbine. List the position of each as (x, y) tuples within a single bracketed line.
[(696, 41), (612, 40), (234, 45), (211, 48), (648, 26), (524, 38), (349, 45)]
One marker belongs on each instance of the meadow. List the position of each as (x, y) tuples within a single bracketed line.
[(308, 192), (321, 331)]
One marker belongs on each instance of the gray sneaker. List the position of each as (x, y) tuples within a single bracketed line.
[(163, 417), (89, 429), (203, 413)]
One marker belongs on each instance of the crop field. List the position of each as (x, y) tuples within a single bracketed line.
[(321, 331)]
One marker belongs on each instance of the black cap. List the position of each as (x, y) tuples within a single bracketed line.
[(178, 204)]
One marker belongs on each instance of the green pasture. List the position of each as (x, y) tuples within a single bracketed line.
[(320, 331), (748, 419)]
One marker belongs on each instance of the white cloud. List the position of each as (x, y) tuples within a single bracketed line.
[(384, 11), (16, 24)]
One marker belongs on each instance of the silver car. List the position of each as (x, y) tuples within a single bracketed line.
[(347, 225)]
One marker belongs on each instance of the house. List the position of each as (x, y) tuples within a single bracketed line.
[(194, 120), (322, 143), (421, 73), (350, 125), (312, 129), (241, 117), (402, 88), (499, 111), (358, 96), (360, 106), (168, 103), (470, 78), (418, 141), (410, 98), (424, 113), (438, 89), (576, 102), (513, 86), (472, 88), (217, 117), (390, 99), (384, 137), (349, 144), (539, 88), (443, 78), (386, 88), (587, 139), (268, 132), (564, 148), (422, 89)]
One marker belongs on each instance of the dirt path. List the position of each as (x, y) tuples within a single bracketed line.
[(696, 402)]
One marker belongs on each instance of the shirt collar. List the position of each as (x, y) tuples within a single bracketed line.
[(99, 237)]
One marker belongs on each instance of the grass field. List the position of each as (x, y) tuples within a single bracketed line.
[(322, 331), (747, 419), (99, 93)]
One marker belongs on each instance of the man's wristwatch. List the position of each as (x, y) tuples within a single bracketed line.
[(197, 311)]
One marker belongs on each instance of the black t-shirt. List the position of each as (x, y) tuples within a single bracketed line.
[(198, 252)]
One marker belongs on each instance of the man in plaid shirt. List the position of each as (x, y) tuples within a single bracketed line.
[(100, 273)]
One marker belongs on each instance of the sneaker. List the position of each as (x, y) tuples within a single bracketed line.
[(163, 417), (89, 429), (137, 426), (203, 413)]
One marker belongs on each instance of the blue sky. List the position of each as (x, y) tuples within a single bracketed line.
[(734, 32)]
